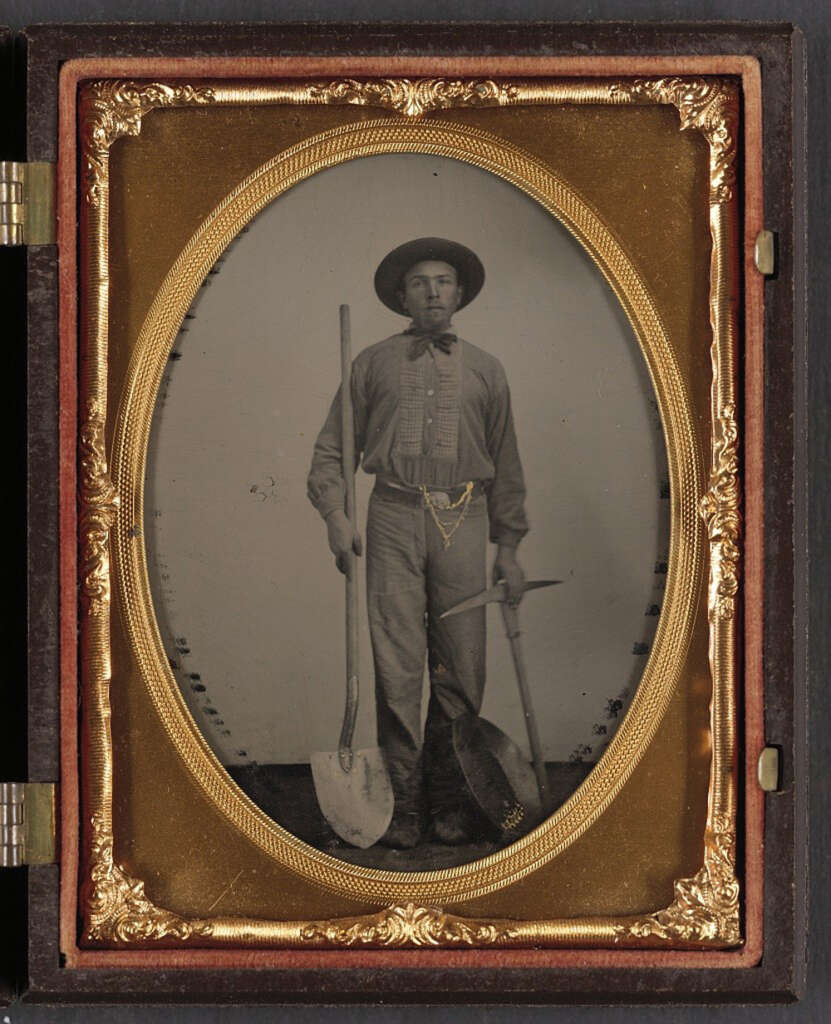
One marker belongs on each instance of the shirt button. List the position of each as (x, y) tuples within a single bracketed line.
[(430, 392), (429, 420)]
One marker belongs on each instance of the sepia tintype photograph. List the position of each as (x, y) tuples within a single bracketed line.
[(407, 512), (411, 431)]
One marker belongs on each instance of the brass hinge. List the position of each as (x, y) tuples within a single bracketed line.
[(27, 203), (27, 823)]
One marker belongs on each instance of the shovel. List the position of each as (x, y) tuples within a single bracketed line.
[(352, 786), (491, 739)]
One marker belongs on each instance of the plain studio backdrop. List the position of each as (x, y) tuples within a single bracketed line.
[(248, 600)]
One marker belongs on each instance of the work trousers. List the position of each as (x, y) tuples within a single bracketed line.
[(411, 579)]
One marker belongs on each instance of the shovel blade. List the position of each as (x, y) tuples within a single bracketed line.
[(498, 777), (358, 804)]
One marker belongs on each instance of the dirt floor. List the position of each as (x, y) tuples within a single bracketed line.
[(286, 794)]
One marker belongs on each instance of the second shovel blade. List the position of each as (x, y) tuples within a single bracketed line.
[(498, 777), (358, 804)]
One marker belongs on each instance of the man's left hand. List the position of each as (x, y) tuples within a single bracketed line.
[(506, 568)]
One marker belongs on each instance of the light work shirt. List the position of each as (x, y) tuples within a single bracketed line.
[(423, 416)]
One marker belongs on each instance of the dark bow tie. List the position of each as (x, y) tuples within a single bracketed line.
[(422, 339)]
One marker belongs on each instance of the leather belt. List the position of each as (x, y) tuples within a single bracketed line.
[(441, 497)]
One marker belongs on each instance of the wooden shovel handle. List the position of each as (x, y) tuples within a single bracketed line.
[(348, 467)]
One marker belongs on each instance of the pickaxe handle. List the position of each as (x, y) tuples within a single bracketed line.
[(510, 617), (348, 468)]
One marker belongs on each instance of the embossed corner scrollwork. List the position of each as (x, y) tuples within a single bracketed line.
[(415, 97), (407, 925), (720, 509), (706, 906), (115, 108), (118, 911), (99, 507), (709, 104)]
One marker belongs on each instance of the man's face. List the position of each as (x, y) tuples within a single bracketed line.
[(431, 294)]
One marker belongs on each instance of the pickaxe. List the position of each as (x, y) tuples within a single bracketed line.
[(510, 616)]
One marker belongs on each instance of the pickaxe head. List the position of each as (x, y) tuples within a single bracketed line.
[(498, 592)]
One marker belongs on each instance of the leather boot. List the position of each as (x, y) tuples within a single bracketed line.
[(452, 823), (405, 829)]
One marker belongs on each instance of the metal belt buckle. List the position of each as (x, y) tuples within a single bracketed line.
[(440, 499)]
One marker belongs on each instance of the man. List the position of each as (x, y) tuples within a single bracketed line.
[(433, 422)]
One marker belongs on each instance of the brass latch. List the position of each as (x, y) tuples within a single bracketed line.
[(27, 203), (764, 253), (27, 823), (769, 769)]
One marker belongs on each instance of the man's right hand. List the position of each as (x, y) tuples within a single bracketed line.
[(343, 539)]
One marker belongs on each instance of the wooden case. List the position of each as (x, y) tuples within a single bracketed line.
[(769, 967)]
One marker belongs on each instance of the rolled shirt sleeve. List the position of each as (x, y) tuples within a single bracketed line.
[(325, 486), (506, 493)]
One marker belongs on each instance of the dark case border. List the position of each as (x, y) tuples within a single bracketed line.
[(780, 975), (13, 425)]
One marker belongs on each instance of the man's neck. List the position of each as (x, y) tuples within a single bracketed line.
[(445, 327)]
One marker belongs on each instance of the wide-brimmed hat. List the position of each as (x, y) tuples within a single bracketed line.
[(389, 277)]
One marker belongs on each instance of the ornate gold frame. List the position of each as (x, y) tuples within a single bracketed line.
[(706, 908)]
